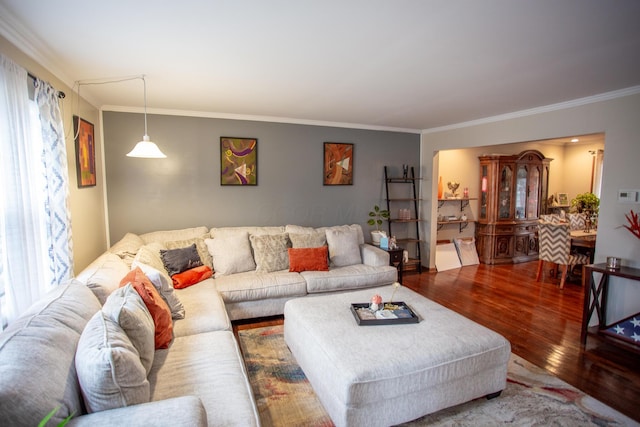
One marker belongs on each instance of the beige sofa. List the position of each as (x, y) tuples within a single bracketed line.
[(200, 379)]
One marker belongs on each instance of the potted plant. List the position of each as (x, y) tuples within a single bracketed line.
[(376, 217), (585, 202)]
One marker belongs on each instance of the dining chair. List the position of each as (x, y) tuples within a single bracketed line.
[(577, 221), (554, 241)]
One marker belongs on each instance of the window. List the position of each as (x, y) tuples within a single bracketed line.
[(35, 239)]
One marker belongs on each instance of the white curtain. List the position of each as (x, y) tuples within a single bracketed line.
[(32, 186), (57, 213)]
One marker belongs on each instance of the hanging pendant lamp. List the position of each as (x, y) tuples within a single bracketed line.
[(146, 148)]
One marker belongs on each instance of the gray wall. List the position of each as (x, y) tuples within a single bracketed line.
[(184, 190)]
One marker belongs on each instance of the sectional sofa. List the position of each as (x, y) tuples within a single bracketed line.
[(105, 349)]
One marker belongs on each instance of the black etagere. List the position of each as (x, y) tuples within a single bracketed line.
[(409, 240)]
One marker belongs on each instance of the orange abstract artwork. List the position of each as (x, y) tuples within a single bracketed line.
[(85, 152), (338, 164)]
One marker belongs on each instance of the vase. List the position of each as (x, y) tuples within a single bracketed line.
[(440, 188)]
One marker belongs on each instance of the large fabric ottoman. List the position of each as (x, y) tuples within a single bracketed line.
[(388, 374)]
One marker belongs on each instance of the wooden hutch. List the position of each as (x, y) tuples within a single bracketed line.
[(513, 194)]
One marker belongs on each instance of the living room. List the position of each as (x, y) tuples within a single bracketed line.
[(184, 190)]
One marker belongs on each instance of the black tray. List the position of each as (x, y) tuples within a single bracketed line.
[(405, 315)]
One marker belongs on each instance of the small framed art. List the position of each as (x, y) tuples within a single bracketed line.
[(563, 199), (338, 164), (85, 152), (238, 161)]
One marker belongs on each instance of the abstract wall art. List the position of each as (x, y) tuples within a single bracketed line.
[(238, 161), (85, 152), (338, 164)]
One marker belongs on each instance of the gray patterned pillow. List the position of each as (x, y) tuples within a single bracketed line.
[(314, 239), (270, 252)]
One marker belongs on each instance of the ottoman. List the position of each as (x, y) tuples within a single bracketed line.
[(383, 375)]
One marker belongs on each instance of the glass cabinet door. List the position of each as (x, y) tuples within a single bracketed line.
[(521, 191), (534, 190), (504, 192), (483, 192)]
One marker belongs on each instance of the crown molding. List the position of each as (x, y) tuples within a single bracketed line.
[(633, 90), (256, 118), (36, 49)]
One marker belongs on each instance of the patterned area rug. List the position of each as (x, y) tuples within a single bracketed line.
[(532, 397)]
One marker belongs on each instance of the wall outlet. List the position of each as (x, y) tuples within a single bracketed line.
[(628, 196)]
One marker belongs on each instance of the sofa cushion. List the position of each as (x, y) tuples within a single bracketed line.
[(37, 372), (231, 254), (207, 311), (313, 259), (127, 247), (103, 275), (110, 372), (251, 286), (205, 256), (157, 307), (171, 235), (270, 252), (164, 286), (213, 365), (191, 277), (343, 247), (350, 277), (178, 260), (125, 307), (312, 239)]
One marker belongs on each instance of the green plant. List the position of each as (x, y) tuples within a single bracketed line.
[(46, 419), (585, 201), (376, 217)]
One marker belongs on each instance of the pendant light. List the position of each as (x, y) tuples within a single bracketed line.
[(146, 148)]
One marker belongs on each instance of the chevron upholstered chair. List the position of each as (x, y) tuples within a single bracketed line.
[(554, 242)]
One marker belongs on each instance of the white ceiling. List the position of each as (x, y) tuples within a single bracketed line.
[(400, 64)]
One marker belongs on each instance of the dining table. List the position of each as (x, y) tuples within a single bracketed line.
[(584, 241)]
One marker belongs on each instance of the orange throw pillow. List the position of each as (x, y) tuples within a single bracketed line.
[(158, 308), (308, 259), (191, 277)]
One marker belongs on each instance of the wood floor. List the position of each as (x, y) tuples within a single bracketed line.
[(542, 323)]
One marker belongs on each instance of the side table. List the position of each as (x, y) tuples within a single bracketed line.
[(396, 258), (599, 291)]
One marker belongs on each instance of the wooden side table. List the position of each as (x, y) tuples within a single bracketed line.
[(600, 291), (396, 259)]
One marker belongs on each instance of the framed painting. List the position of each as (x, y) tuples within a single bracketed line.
[(85, 152), (238, 161), (563, 199), (338, 164)]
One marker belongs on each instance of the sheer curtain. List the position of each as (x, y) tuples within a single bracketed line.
[(33, 188)]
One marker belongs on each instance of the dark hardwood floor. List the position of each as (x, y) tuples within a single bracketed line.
[(541, 321)]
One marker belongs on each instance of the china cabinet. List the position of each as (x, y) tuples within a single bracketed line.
[(513, 194)]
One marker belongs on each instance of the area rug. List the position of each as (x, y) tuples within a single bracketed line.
[(532, 397)]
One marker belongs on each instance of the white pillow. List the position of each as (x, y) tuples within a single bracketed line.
[(231, 254), (161, 282), (109, 369), (125, 307), (343, 247)]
